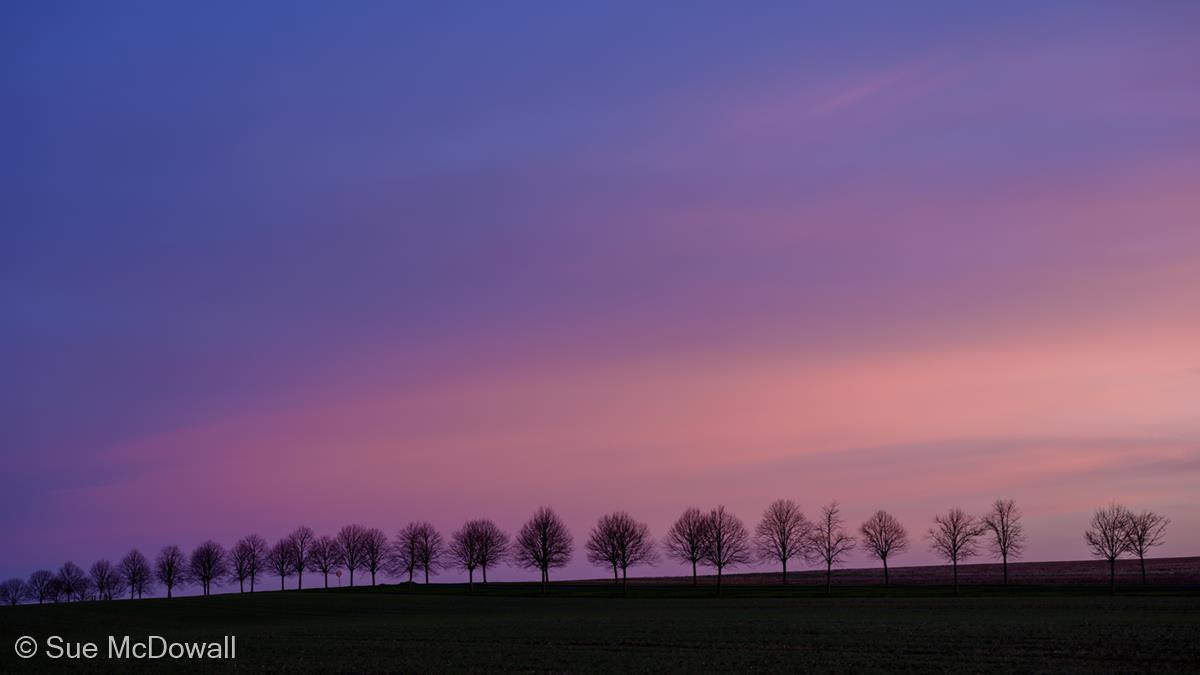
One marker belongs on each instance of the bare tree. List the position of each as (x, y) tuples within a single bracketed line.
[(375, 552), (13, 592), (685, 540), (1108, 537), (135, 573), (619, 541), (405, 556), (170, 568), (494, 545), (1008, 535), (209, 564), (544, 543), (884, 536), (783, 534), (279, 560), (1143, 532), (464, 550), (105, 579), (831, 543), (350, 544), (301, 540), (726, 542), (72, 582), (247, 560), (954, 537), (326, 557), (41, 585)]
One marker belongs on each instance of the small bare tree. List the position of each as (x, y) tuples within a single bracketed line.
[(619, 541), (209, 564), (955, 537), (325, 557), (247, 560), (13, 591), (135, 573), (41, 585), (685, 540), (1008, 535), (783, 534), (883, 537), (106, 580), (726, 542), (464, 550), (1144, 531), (830, 541), (405, 556), (279, 560), (544, 543), (494, 545), (375, 551), (350, 545), (170, 568), (1108, 537), (301, 540), (72, 582)]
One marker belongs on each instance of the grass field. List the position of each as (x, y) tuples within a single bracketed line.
[(594, 629)]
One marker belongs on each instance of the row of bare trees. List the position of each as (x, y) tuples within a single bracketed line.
[(717, 539)]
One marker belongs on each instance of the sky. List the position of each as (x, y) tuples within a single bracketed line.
[(272, 264)]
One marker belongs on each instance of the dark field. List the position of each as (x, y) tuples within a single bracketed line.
[(591, 628)]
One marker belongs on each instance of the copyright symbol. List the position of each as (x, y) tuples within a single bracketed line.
[(26, 647)]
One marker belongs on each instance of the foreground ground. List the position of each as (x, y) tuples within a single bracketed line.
[(595, 629)]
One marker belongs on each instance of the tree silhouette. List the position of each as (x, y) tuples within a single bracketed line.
[(405, 556), (170, 568), (1144, 531), (301, 540), (325, 557), (619, 541), (726, 542), (247, 560), (954, 537), (208, 564), (350, 545), (135, 573), (375, 552), (41, 585), (1008, 535), (544, 543), (884, 536), (685, 539), (72, 582), (493, 545), (463, 552), (1108, 537), (831, 542), (279, 560), (13, 591), (106, 580), (783, 534)]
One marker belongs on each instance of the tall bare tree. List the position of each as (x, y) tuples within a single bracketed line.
[(375, 552), (955, 537), (325, 557), (1007, 534), (726, 542), (494, 545), (883, 537), (72, 582), (783, 534), (247, 560), (1144, 531), (544, 543), (279, 560), (685, 540), (405, 554), (105, 579), (135, 572), (301, 540), (620, 542), (350, 543), (1108, 537), (463, 552), (831, 543), (13, 591), (208, 564), (170, 568), (41, 585)]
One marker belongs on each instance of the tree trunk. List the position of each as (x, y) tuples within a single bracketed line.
[(485, 574), (828, 577), (718, 581), (427, 575), (885, 571), (1112, 576), (373, 577), (251, 584), (955, 565), (1004, 562), (299, 579), (326, 578), (241, 587), (616, 579), (1143, 561), (168, 590), (695, 581), (351, 577), (281, 578), (470, 578), (545, 578), (624, 580), (785, 571)]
